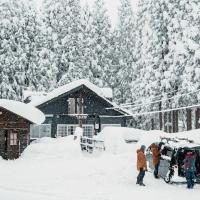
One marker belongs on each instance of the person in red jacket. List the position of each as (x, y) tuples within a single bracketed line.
[(156, 159), (141, 165)]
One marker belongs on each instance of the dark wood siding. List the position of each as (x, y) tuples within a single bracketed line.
[(58, 107), (11, 123)]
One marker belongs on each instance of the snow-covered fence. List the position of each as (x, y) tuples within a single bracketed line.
[(91, 144)]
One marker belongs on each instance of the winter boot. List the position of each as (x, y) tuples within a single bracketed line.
[(142, 184), (138, 180), (156, 176)]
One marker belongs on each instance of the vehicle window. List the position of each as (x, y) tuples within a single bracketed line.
[(167, 151)]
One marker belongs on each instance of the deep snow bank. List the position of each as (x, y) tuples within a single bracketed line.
[(115, 138), (63, 148), (155, 135)]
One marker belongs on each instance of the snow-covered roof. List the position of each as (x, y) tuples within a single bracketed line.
[(33, 95), (107, 92), (26, 111), (70, 86)]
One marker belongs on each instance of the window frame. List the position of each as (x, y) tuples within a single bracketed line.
[(67, 126), (13, 139), (39, 132)]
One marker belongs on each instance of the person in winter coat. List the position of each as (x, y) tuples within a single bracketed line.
[(156, 159), (141, 165), (190, 169)]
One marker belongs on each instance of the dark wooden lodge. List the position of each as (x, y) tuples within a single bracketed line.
[(14, 129), (78, 103)]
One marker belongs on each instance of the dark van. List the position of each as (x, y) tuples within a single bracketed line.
[(172, 157)]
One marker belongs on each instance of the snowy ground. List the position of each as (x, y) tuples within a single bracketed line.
[(55, 169)]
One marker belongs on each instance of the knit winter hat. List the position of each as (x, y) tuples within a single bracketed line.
[(143, 147)]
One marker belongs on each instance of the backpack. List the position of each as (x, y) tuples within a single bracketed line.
[(190, 163)]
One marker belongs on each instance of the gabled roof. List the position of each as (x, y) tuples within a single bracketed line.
[(26, 111), (70, 86)]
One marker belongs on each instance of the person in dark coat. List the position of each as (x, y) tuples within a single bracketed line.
[(190, 169), (156, 159), (141, 165)]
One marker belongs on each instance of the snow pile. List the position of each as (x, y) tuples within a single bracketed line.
[(56, 169), (151, 137), (51, 148), (78, 132), (155, 136), (26, 111), (115, 138), (132, 134), (128, 134), (191, 135)]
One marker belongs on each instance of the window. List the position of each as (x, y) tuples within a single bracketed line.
[(13, 139), (64, 130), (74, 106), (71, 106), (88, 131), (71, 129), (79, 110), (39, 131)]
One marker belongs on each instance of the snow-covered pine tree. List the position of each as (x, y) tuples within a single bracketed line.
[(152, 36), (10, 25), (186, 48), (101, 42), (138, 84), (125, 47), (34, 58), (62, 18), (190, 24), (86, 50)]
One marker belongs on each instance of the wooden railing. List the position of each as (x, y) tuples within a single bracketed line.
[(91, 144)]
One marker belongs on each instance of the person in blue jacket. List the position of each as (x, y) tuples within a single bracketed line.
[(190, 169)]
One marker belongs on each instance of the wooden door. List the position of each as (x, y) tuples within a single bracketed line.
[(3, 143)]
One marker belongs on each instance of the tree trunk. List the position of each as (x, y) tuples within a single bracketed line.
[(176, 115), (160, 116), (175, 121), (189, 119), (152, 124), (170, 122), (165, 121), (197, 114)]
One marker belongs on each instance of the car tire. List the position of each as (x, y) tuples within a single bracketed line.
[(167, 179)]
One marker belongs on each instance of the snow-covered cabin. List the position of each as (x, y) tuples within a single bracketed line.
[(75, 104), (15, 120)]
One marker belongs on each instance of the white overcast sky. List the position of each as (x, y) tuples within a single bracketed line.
[(110, 4)]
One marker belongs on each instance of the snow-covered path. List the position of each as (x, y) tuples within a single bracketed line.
[(57, 170)]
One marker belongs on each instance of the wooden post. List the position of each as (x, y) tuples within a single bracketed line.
[(160, 116), (197, 114), (81, 110), (189, 119)]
